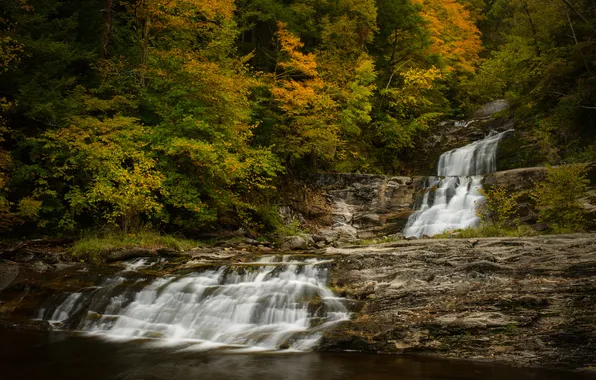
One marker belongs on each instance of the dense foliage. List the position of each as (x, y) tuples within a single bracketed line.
[(542, 58), (185, 113), (499, 207), (558, 198)]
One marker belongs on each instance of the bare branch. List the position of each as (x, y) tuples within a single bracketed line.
[(574, 9)]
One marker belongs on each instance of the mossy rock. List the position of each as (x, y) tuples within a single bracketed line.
[(92, 316)]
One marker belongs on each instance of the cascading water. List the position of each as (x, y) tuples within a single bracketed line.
[(270, 304), (449, 201)]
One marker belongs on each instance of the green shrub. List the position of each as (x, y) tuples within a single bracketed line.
[(291, 229), (499, 208), (557, 198)]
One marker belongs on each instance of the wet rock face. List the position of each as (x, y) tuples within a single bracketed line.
[(525, 178), (516, 179), (521, 301), (365, 206), (28, 287), (453, 134), (491, 108), (8, 272)]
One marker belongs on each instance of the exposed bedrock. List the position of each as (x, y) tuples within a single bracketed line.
[(364, 206), (521, 301)]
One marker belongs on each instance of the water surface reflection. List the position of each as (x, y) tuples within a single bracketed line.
[(62, 356)]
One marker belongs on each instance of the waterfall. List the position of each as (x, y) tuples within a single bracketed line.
[(449, 200), (269, 304)]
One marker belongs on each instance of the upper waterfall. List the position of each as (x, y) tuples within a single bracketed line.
[(449, 201), (474, 159)]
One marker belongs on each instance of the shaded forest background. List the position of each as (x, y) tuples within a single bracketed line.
[(188, 114)]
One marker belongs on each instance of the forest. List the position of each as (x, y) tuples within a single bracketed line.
[(188, 115)]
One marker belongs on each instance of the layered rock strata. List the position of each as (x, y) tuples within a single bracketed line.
[(365, 206), (521, 301)]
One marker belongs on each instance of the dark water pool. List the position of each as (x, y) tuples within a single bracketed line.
[(61, 356)]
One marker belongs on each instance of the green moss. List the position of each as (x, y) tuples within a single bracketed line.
[(509, 329), (291, 229)]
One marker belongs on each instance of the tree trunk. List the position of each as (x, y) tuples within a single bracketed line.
[(575, 39), (527, 12), (574, 9), (145, 51), (107, 28)]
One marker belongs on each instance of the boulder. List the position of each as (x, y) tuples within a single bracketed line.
[(40, 267), (8, 272), (368, 220), (329, 235), (491, 108), (297, 242), (127, 254), (288, 214), (346, 232)]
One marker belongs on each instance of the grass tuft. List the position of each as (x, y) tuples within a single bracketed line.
[(379, 240), (90, 247), (488, 230)]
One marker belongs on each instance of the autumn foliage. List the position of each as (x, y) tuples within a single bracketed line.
[(184, 114), (454, 35)]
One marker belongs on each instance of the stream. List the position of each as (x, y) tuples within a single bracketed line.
[(60, 355)]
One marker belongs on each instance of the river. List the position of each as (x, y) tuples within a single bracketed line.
[(58, 355)]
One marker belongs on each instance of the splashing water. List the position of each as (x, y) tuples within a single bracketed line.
[(270, 304), (449, 201)]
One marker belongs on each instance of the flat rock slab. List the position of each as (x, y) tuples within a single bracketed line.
[(8, 272), (521, 301)]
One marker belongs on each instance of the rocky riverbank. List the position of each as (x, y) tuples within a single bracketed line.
[(520, 301)]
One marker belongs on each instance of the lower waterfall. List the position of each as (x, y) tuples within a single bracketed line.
[(270, 304), (449, 201)]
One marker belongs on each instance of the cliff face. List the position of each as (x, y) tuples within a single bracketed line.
[(364, 206), (452, 134), (522, 301)]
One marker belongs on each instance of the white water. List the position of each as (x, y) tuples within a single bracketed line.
[(264, 306), (450, 200)]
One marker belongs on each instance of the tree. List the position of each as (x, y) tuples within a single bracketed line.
[(455, 38), (543, 64), (308, 115), (106, 171), (195, 94)]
